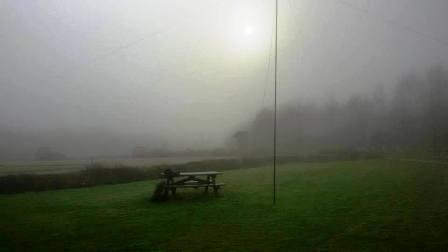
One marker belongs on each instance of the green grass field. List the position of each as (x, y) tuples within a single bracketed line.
[(350, 206)]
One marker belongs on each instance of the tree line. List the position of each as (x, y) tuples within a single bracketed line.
[(411, 118)]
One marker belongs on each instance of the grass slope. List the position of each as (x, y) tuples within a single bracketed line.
[(358, 205)]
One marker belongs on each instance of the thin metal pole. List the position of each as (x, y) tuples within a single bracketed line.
[(275, 107)]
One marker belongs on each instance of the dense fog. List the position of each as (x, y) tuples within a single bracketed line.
[(413, 118), (102, 78)]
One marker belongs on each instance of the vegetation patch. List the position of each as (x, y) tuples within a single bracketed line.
[(99, 174)]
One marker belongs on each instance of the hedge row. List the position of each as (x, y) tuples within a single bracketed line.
[(98, 174)]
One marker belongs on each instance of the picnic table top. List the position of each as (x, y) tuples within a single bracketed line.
[(189, 174), (204, 173)]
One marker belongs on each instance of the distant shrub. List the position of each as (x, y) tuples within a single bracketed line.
[(46, 154)]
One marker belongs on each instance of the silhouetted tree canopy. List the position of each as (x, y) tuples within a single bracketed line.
[(414, 117)]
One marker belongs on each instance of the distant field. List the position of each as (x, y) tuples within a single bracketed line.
[(378, 205), (47, 167)]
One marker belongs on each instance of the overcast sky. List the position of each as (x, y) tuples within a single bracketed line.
[(193, 71)]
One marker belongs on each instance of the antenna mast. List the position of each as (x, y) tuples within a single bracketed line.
[(275, 107)]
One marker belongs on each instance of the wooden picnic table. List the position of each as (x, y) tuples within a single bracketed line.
[(205, 179)]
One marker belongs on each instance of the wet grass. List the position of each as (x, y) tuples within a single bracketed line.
[(353, 206)]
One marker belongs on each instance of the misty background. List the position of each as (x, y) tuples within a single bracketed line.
[(100, 77)]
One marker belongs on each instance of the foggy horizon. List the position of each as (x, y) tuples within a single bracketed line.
[(183, 75)]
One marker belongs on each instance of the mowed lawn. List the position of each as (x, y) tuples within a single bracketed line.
[(350, 206)]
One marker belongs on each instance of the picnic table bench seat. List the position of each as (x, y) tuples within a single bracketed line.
[(194, 185)]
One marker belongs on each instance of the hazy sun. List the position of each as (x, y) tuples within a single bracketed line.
[(248, 30)]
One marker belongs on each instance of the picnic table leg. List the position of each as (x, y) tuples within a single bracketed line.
[(169, 182), (213, 181), (208, 182)]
